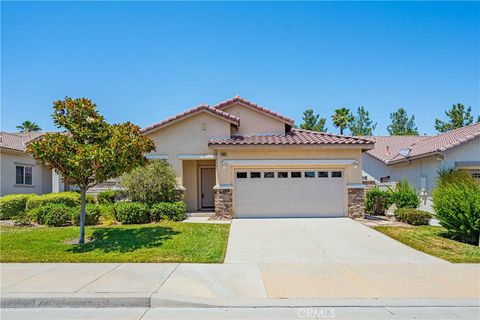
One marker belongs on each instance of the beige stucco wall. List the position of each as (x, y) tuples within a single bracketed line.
[(352, 175), (42, 177), (187, 137), (255, 122)]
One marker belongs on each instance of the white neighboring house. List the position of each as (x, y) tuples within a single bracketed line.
[(419, 158), (20, 172)]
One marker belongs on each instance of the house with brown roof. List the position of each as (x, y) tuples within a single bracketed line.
[(20, 172), (243, 160), (419, 158)]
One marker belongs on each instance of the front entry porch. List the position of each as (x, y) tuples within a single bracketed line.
[(199, 178)]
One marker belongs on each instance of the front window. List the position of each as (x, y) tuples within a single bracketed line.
[(23, 175)]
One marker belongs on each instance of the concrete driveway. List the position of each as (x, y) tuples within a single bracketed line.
[(323, 240)]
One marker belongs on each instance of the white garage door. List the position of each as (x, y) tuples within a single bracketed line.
[(289, 193)]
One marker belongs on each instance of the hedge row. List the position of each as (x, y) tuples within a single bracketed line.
[(58, 214)]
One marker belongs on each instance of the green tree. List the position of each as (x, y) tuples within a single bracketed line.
[(458, 117), (28, 126), (313, 121), (362, 125), (401, 125), (91, 151), (342, 118)]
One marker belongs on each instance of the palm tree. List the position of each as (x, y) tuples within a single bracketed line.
[(342, 118), (28, 126)]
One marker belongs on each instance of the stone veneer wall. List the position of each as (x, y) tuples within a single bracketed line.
[(224, 203), (356, 203)]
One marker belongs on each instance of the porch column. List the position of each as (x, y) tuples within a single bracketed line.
[(223, 201), (57, 184), (355, 200)]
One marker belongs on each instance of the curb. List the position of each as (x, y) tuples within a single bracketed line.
[(160, 300), (75, 300)]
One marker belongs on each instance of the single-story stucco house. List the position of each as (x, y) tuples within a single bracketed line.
[(419, 158), (20, 172), (243, 160)]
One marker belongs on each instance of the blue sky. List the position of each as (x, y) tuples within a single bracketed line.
[(146, 61)]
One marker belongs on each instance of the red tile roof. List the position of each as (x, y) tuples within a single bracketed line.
[(294, 137), (421, 146), (201, 108), (238, 99), (17, 141), (387, 147)]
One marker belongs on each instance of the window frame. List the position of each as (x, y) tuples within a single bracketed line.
[(323, 177), (332, 172), (25, 168), (281, 172), (307, 177), (268, 172), (241, 172), (255, 172), (296, 177)]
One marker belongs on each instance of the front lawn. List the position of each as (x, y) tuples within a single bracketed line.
[(429, 239), (160, 242)]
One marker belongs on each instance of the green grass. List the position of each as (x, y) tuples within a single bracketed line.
[(432, 240), (161, 242)]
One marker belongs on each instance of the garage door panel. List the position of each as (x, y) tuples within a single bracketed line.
[(289, 197)]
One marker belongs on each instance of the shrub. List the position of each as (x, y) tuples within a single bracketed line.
[(69, 199), (457, 206), (454, 176), (413, 216), (153, 183), (52, 214), (92, 215), (171, 211), (107, 214), (131, 212), (13, 204), (107, 196), (405, 196), (377, 201), (22, 219)]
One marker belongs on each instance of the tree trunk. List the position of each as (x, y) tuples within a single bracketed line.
[(341, 131), (83, 192)]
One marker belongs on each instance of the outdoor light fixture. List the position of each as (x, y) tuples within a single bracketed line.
[(355, 164), (224, 165)]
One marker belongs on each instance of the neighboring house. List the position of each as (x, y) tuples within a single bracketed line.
[(419, 158), (20, 172), (243, 160)]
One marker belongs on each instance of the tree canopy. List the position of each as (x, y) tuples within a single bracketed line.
[(401, 124), (313, 121), (458, 117), (362, 125), (28, 126), (90, 151), (342, 118)]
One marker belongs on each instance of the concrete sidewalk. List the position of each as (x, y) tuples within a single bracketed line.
[(238, 285)]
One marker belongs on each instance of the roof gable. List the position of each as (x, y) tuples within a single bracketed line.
[(254, 106), (192, 112)]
